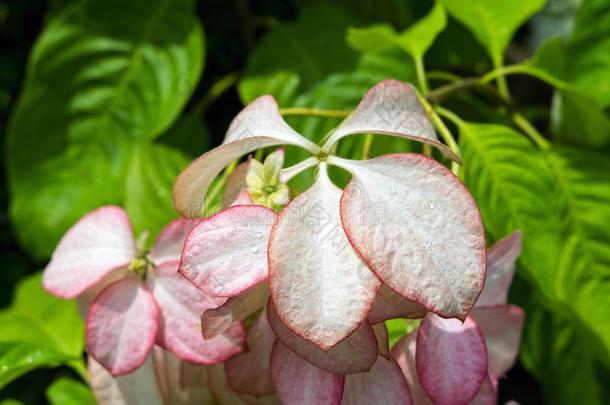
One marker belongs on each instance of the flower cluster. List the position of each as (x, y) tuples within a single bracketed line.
[(256, 306)]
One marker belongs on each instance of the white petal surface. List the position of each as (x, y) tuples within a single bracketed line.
[(98, 243), (391, 108), (451, 359), (170, 241), (217, 320), (389, 305), (258, 125), (418, 228), (227, 253), (321, 289), (137, 388), (501, 326), (299, 382), (122, 325), (181, 305), (384, 384), (355, 354), (501, 260)]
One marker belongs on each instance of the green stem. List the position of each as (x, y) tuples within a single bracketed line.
[(81, 369), (366, 148), (443, 130), (501, 80), (317, 112), (436, 95), (421, 74), (500, 72), (455, 168), (215, 91), (531, 131), (217, 187), (441, 75)]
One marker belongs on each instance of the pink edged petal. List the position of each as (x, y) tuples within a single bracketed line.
[(122, 325), (265, 400), (383, 342), (355, 354), (170, 241), (257, 126), (418, 228), (217, 320), (181, 305), (299, 382), (391, 107), (86, 298), (451, 359), (501, 326), (137, 388), (403, 354), (501, 260), (98, 243), (486, 394), (181, 382), (236, 183), (227, 253), (389, 305), (219, 386), (321, 289), (248, 373), (383, 384), (243, 198)]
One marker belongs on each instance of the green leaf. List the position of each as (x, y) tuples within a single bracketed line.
[(577, 120), (564, 356), (560, 199), (148, 192), (11, 402), (102, 78), (493, 22), (18, 358), (66, 391), (415, 40), (292, 57), (589, 50), (37, 317)]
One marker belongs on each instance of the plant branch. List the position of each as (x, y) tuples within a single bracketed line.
[(421, 74), (317, 112), (366, 148), (522, 123), (436, 95), (215, 91)]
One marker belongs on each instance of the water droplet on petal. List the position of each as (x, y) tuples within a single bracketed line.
[(430, 205), (254, 249)]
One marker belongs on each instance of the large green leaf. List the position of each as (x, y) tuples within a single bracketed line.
[(493, 22), (18, 358), (564, 356), (66, 391), (560, 199), (415, 40), (292, 57), (103, 78)]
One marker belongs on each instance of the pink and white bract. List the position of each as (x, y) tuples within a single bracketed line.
[(446, 362), (404, 225), (135, 301)]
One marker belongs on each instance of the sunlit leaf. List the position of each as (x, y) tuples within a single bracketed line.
[(66, 391)]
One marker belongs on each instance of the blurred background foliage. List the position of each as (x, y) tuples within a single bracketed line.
[(106, 101)]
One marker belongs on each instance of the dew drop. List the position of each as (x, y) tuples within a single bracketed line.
[(430, 205), (254, 249), (259, 235)]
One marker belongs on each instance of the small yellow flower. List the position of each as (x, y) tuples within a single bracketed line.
[(263, 181)]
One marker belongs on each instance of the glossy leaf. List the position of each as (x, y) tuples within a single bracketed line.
[(17, 358), (111, 75), (493, 23), (66, 391)]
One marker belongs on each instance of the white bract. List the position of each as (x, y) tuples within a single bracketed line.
[(404, 222)]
